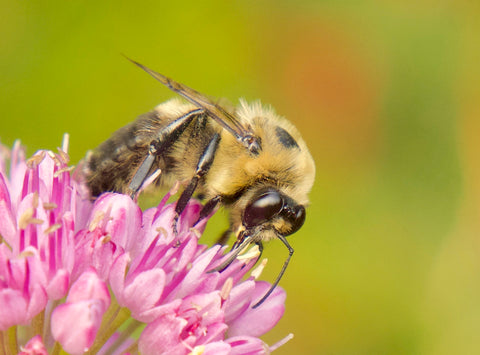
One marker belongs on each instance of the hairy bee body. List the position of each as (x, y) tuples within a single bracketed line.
[(245, 158), (284, 162), (112, 165)]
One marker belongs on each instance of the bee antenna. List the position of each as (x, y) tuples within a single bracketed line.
[(282, 271)]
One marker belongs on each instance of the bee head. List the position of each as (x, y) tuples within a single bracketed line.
[(272, 209)]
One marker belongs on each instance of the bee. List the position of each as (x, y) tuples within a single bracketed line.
[(247, 159)]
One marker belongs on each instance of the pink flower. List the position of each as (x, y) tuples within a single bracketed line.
[(34, 346), (72, 272)]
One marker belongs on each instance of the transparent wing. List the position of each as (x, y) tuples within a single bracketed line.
[(213, 110)]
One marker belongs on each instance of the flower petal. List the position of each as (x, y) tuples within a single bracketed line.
[(122, 220), (75, 325), (34, 346), (89, 287), (144, 291), (242, 345), (163, 336), (8, 226), (13, 308), (258, 321), (215, 348), (58, 286)]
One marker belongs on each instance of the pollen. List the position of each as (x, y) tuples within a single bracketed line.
[(226, 288), (49, 206), (63, 170), (196, 232), (198, 350), (27, 218), (52, 228), (97, 218), (35, 160)]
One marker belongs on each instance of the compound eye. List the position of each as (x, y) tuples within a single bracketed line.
[(296, 218), (264, 208)]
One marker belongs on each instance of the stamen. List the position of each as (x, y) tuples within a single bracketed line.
[(49, 206), (52, 228), (35, 200), (252, 253), (65, 142), (97, 218), (259, 269), (63, 156), (196, 232), (35, 160), (63, 170), (226, 288), (281, 342), (198, 350), (162, 231), (27, 218)]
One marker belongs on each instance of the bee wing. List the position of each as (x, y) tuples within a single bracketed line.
[(215, 111)]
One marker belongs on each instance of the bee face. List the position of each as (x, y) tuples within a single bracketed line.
[(270, 208), (247, 159)]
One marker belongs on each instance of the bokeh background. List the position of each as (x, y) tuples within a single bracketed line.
[(386, 96)]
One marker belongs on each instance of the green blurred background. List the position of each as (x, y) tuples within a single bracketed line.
[(385, 94)]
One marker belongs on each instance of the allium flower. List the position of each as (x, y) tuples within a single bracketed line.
[(104, 277)]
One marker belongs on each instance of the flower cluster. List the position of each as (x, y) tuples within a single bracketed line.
[(103, 277)]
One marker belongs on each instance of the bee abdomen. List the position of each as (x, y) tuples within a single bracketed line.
[(111, 165), (112, 173)]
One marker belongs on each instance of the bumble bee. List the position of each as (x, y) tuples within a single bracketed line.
[(246, 159)]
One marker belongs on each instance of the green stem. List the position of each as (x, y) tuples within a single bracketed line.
[(10, 341), (3, 350), (37, 324), (56, 349), (124, 335)]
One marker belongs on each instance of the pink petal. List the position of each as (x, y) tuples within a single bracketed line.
[(258, 321), (94, 249), (89, 287), (75, 325), (8, 226), (197, 278), (216, 348), (243, 345), (163, 336), (37, 302), (207, 305), (58, 286), (34, 346), (117, 276), (144, 291), (239, 300), (153, 313), (122, 221), (13, 308), (215, 332)]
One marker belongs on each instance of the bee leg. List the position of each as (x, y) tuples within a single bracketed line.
[(166, 137), (208, 208), (204, 164)]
